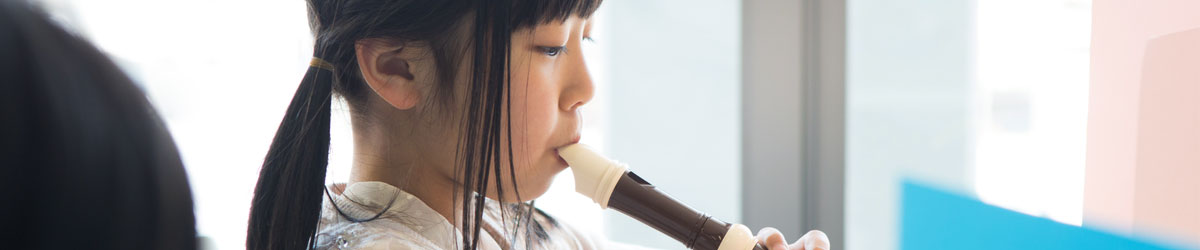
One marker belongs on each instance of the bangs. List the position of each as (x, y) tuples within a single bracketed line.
[(528, 13)]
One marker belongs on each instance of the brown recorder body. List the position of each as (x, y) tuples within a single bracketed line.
[(611, 185)]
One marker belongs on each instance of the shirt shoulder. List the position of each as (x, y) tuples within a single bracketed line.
[(379, 216), (372, 235)]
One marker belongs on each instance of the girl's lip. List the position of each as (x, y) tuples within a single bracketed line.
[(574, 140), (561, 161)]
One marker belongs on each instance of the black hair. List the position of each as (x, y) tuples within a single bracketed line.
[(287, 199), (88, 164)]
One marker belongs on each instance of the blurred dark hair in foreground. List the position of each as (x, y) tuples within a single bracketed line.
[(85, 161)]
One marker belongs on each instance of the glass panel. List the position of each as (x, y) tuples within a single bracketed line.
[(986, 97)]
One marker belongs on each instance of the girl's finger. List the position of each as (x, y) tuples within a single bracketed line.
[(813, 240), (772, 238)]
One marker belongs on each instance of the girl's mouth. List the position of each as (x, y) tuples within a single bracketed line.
[(562, 161)]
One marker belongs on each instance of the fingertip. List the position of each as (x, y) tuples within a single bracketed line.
[(817, 233), (768, 231), (815, 240), (772, 238)]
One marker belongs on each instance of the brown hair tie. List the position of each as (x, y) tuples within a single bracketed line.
[(321, 64)]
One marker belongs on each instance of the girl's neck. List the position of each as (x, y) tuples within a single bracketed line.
[(404, 149), (399, 166)]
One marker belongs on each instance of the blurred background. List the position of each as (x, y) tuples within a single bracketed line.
[(793, 114)]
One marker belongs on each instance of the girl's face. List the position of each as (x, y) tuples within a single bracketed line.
[(549, 83)]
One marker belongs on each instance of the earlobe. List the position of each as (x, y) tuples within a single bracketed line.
[(387, 72)]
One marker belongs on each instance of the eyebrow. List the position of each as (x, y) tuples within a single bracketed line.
[(587, 26)]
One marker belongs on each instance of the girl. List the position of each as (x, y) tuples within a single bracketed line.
[(457, 110)]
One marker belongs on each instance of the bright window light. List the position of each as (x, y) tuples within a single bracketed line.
[(1031, 109)]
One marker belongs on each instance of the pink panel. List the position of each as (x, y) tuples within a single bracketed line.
[(1167, 199), (1142, 96)]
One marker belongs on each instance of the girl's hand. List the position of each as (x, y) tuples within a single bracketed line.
[(773, 239)]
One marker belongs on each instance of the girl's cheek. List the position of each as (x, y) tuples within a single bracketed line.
[(538, 118), (534, 109), (531, 114), (543, 115)]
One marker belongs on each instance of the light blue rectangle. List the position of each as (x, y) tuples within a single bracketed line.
[(932, 219)]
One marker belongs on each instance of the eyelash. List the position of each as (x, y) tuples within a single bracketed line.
[(553, 51)]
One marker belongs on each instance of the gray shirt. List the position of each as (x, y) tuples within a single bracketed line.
[(410, 224)]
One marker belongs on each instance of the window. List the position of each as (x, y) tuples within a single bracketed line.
[(1031, 78)]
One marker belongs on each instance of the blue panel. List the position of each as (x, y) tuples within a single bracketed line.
[(932, 219)]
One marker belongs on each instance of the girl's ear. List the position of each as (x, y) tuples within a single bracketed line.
[(387, 72)]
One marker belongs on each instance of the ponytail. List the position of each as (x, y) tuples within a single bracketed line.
[(287, 198)]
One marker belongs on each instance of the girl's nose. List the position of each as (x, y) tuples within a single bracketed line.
[(578, 87)]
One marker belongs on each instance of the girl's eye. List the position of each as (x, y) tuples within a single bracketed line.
[(553, 51)]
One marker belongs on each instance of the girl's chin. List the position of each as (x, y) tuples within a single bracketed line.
[(533, 185), (536, 186), (527, 194)]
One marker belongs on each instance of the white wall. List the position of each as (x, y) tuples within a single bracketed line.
[(673, 83)]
